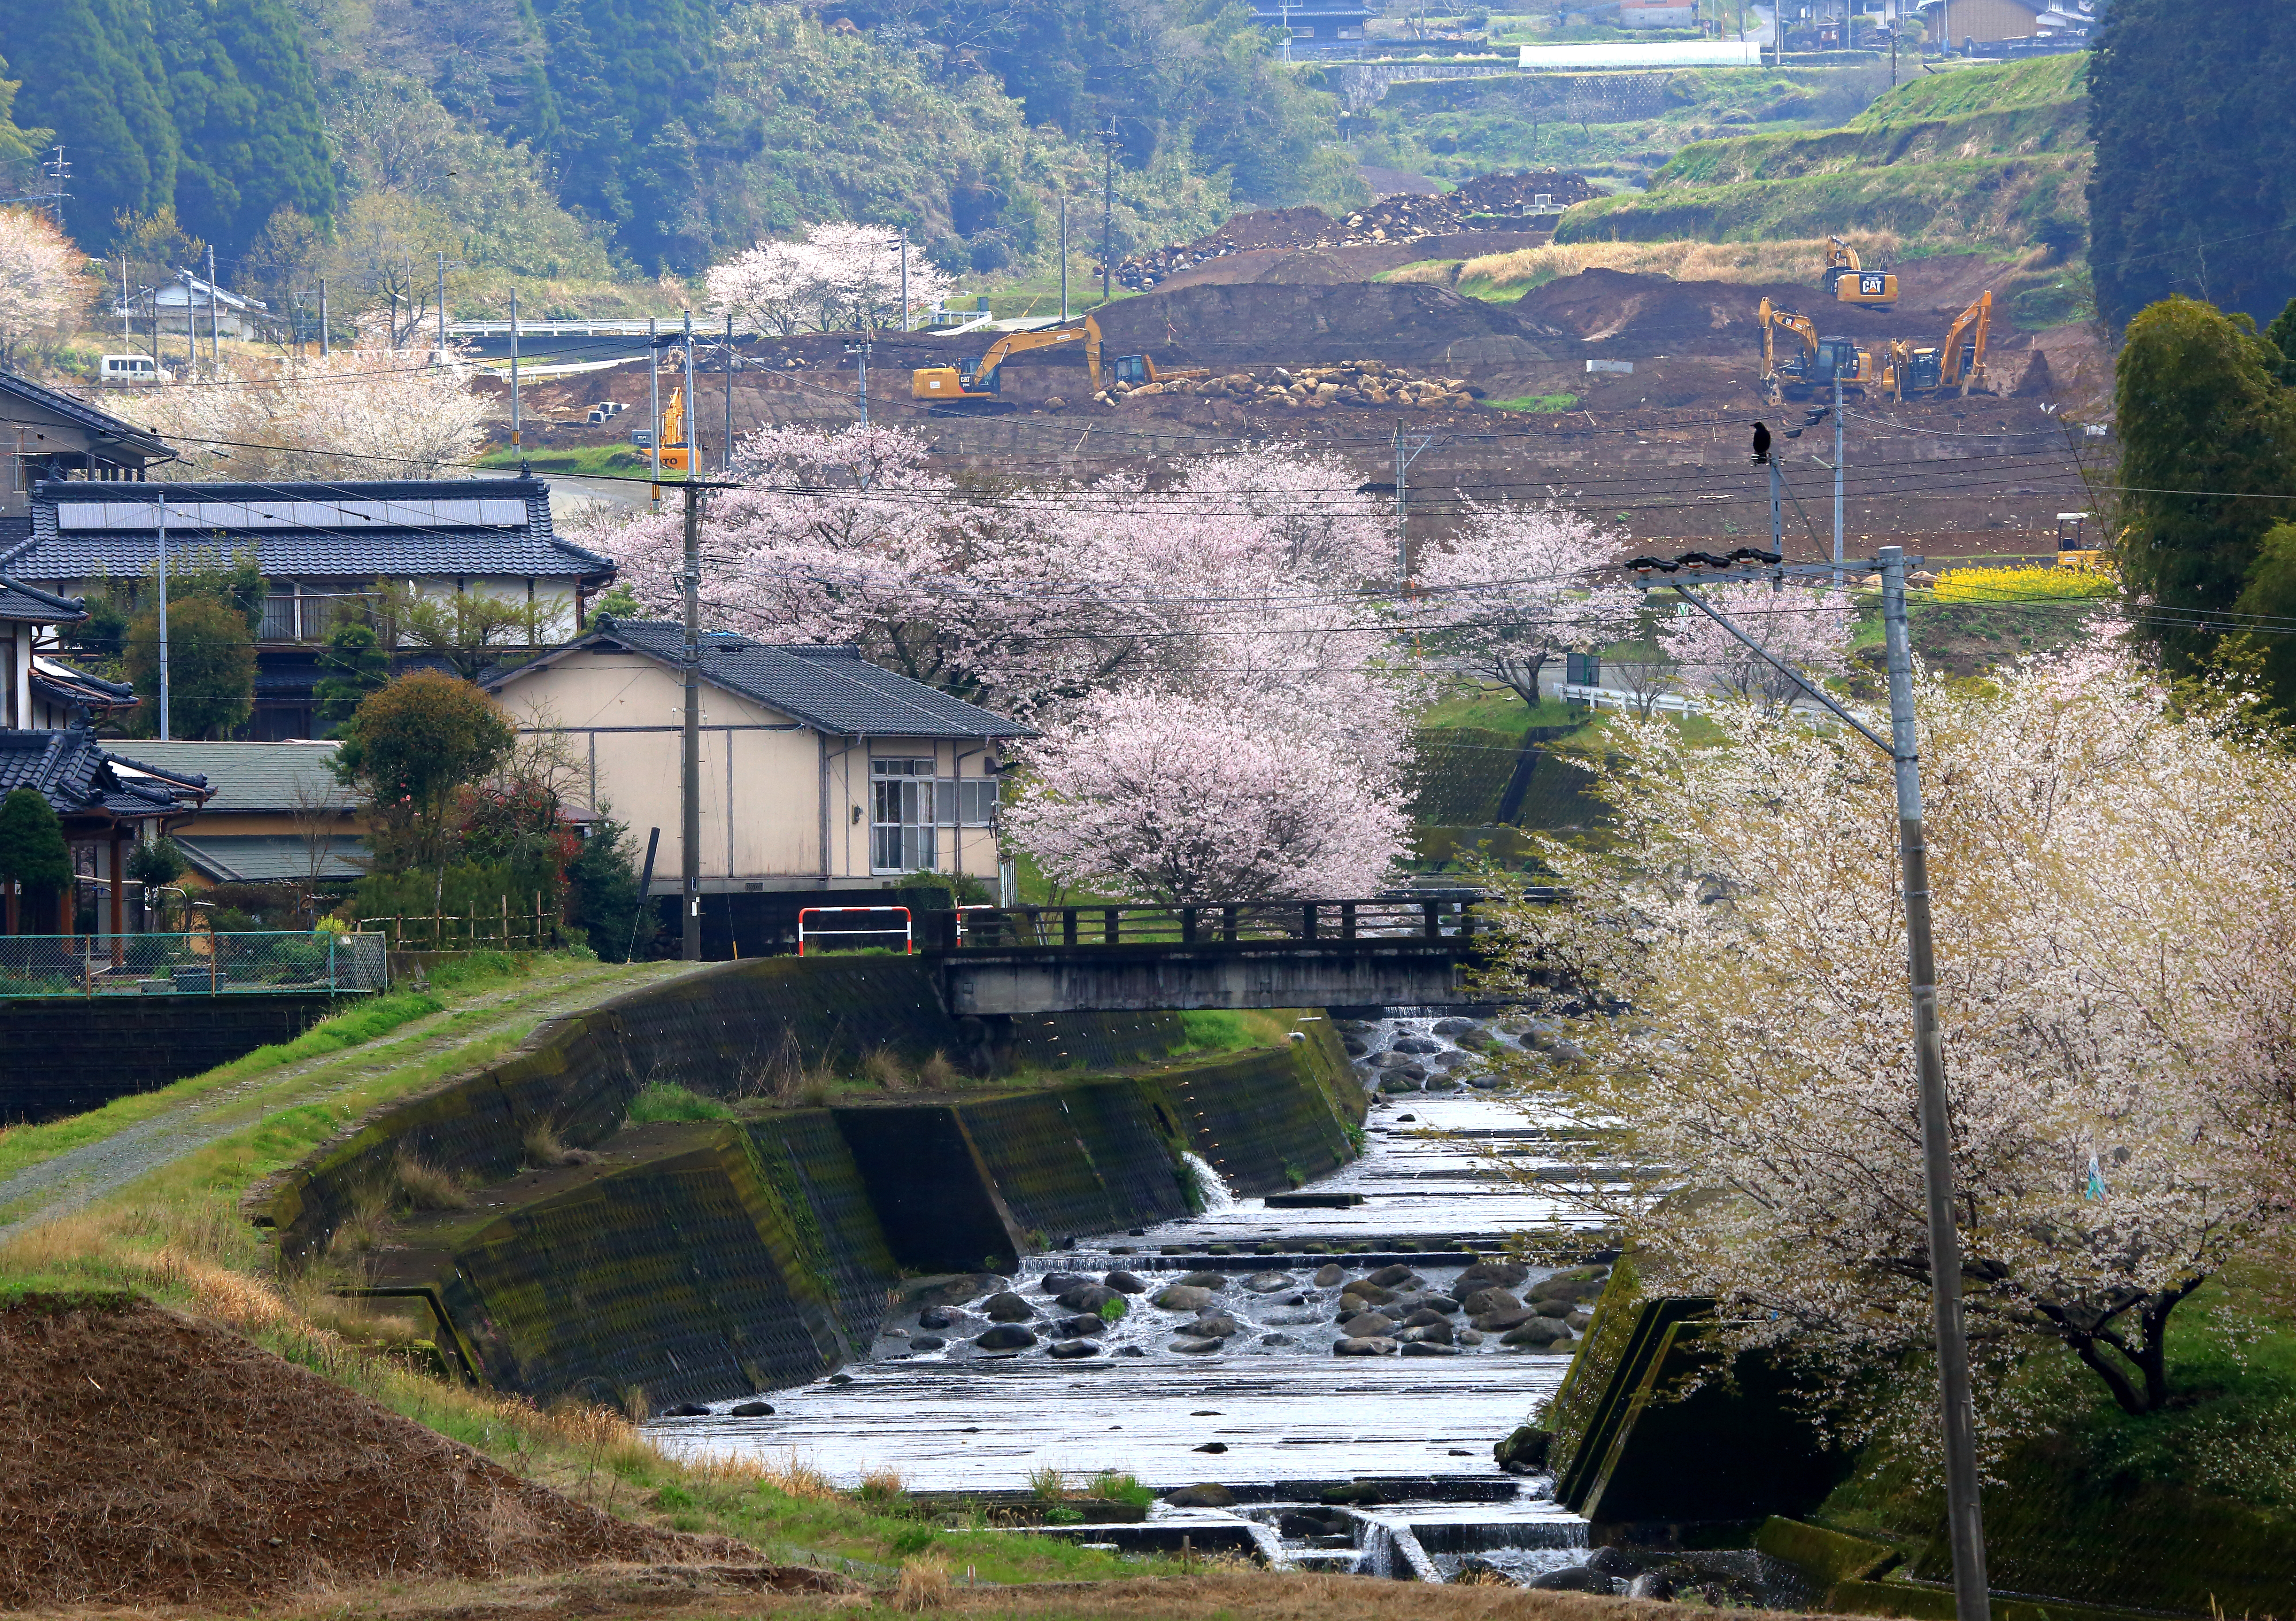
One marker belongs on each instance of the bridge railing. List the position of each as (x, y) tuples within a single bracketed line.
[(1301, 923)]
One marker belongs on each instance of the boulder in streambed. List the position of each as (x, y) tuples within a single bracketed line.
[(685, 1410), (1060, 1283), (1203, 1279), (934, 1319), (1652, 1587), (1006, 1307), (1505, 1275), (1398, 1276), (1083, 1325), (1370, 1294), (1069, 1350), (1006, 1336), (1183, 1297), (1414, 1043), (1399, 1082), (751, 1409), (1536, 1334), (1206, 1495), (1212, 1326), (1490, 1298), (947, 1288), (1328, 1275), (1524, 1449), (1377, 1344), (927, 1342), (1366, 1325), (1502, 1318), (1189, 1344), (1088, 1298), (1435, 1333), (1577, 1578), (1125, 1283), (1268, 1283), (1428, 1348), (1443, 1083), (1552, 1308), (1211, 1447)]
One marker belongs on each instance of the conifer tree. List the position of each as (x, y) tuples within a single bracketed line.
[(214, 117), (33, 855), (105, 101), (287, 163)]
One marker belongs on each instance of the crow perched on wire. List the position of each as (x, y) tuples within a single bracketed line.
[(1761, 443)]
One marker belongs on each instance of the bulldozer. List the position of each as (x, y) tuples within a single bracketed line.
[(1956, 365), (1815, 362), (975, 380), (1849, 282)]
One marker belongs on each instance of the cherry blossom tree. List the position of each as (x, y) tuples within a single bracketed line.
[(353, 414), (836, 277), (38, 269), (1808, 627), (1520, 584), (1178, 799), (2115, 889)]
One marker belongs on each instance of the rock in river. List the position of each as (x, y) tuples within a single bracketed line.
[(1507, 1317), (1507, 1275), (1085, 1325), (1268, 1283), (1398, 1276), (927, 1342), (1367, 1325), (1489, 1298), (1088, 1297), (1060, 1283), (1416, 1043), (1578, 1578), (1183, 1297), (752, 1410), (1125, 1283), (1204, 1279), (1007, 1307), (685, 1410), (1370, 1294), (1538, 1333), (1069, 1350), (1435, 1333), (1375, 1346), (935, 1319), (1428, 1348), (1204, 1496), (1329, 1275), (1006, 1336), (1212, 1326), (1189, 1345), (1652, 1586)]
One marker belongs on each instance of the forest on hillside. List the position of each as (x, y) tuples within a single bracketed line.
[(587, 140)]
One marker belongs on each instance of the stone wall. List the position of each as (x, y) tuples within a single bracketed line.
[(67, 1055)]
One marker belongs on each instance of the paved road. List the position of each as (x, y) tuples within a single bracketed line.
[(79, 1177)]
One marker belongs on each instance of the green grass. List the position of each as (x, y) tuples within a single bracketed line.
[(22, 1146), (1545, 405), (595, 461), (668, 1100), (1496, 708), (1213, 1031)]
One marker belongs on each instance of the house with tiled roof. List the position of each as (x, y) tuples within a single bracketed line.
[(107, 803), (322, 548), (51, 434), (38, 690), (274, 811), (820, 770)]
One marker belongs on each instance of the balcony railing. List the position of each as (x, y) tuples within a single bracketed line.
[(196, 964)]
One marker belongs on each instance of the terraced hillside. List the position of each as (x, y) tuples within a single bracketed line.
[(1988, 158)]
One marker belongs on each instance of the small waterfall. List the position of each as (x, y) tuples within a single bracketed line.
[(1390, 1550), (1218, 1197)]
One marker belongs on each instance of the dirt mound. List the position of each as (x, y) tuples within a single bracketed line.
[(1654, 314), (153, 1459), (1273, 323)]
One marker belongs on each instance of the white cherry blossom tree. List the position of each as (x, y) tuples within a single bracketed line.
[(1518, 586), (836, 277), (1808, 627), (39, 274), (352, 414)]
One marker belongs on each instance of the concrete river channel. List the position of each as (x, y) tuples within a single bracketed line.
[(1262, 1405)]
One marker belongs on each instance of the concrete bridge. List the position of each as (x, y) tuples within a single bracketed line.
[(993, 963)]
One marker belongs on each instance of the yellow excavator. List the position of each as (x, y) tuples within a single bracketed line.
[(1956, 365), (1849, 282), (675, 452), (1814, 361), (975, 380)]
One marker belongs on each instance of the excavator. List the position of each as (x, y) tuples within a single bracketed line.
[(1849, 282), (1956, 365), (1814, 361), (975, 380)]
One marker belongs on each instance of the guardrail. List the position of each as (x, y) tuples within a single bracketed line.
[(1297, 922), (197, 964)]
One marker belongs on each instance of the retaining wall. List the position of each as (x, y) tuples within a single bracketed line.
[(704, 1260), (65, 1055)]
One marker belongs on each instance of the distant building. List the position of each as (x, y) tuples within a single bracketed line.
[(38, 691), (48, 434), (1635, 55), (322, 548), (182, 305), (1959, 24), (1657, 13), (275, 813), (107, 803), (1317, 27)]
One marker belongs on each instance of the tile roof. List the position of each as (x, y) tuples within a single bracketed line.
[(830, 688), (247, 776), (398, 529), (59, 682), (75, 775), (82, 414), (257, 858), (19, 601)]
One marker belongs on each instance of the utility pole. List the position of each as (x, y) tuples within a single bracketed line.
[(1065, 255), (691, 416), (323, 317), (1964, 1521), (860, 353), (903, 246), (690, 788), (1965, 1518), (1837, 471), (653, 395), (214, 321), (725, 465), (164, 734), (1108, 140), (127, 319), (516, 441), (1778, 512)]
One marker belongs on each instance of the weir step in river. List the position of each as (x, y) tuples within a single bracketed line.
[(1245, 1389)]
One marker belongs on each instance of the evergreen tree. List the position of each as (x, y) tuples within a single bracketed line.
[(354, 665), (17, 146), (2201, 410), (2195, 156), (214, 117), (287, 164), (2282, 336), (210, 669), (101, 93), (33, 855)]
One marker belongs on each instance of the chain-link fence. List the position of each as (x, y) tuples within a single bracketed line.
[(197, 964)]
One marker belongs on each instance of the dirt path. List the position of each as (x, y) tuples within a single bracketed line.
[(78, 1175)]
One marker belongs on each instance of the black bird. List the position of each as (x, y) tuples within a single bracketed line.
[(1761, 443)]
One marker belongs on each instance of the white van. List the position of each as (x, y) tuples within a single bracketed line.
[(131, 368)]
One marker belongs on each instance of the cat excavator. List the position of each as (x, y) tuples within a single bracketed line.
[(1814, 361), (1956, 365), (1849, 282), (975, 380)]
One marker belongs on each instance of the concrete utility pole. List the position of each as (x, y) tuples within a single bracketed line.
[(323, 317), (1837, 473), (653, 398), (215, 323), (1065, 255), (860, 353), (1108, 142), (445, 264), (725, 465), (692, 416), (165, 735), (690, 788), (904, 245), (516, 441), (1964, 1520)]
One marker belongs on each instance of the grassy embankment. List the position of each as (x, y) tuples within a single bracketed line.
[(176, 1234), (1994, 159), (595, 460), (1502, 278)]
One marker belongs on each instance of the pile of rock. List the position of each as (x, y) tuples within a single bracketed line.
[(1354, 382)]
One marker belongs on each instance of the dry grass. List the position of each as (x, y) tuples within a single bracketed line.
[(543, 1145), (937, 1074), (428, 1187), (1049, 1485), (1797, 261), (882, 1484), (883, 1066), (924, 1584)]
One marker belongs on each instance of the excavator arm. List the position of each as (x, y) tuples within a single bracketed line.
[(945, 382), (1971, 328)]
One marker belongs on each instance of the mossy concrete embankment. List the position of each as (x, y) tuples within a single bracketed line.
[(709, 1258)]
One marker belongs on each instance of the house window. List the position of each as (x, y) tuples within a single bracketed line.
[(903, 825), (966, 802)]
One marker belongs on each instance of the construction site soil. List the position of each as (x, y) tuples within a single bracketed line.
[(152, 1459), (1654, 442)]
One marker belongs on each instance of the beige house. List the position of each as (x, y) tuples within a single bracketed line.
[(275, 813), (819, 770)]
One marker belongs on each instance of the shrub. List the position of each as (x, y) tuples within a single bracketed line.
[(666, 1101)]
